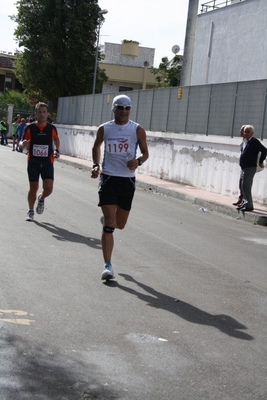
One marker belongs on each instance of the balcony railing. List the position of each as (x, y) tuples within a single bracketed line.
[(215, 4)]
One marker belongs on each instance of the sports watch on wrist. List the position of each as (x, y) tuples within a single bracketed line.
[(140, 162)]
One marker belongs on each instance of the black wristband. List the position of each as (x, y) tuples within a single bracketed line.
[(57, 151), (95, 165)]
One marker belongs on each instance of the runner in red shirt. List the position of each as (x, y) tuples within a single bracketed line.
[(42, 142)]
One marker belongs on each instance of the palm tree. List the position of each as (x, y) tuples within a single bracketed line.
[(18, 99)]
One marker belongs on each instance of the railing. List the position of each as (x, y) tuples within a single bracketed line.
[(215, 4)]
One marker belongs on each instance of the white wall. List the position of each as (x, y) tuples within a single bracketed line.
[(10, 120), (231, 44), (206, 162)]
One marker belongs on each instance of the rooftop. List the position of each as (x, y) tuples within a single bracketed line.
[(7, 60)]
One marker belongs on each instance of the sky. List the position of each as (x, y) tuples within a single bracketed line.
[(155, 24)]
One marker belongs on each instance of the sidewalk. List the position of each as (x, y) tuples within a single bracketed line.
[(208, 201)]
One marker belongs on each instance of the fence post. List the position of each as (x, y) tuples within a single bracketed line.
[(169, 102), (137, 107), (208, 112), (264, 110), (151, 112), (234, 108), (187, 108)]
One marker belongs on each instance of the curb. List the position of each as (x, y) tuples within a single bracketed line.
[(256, 217)]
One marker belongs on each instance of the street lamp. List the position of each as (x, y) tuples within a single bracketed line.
[(96, 52)]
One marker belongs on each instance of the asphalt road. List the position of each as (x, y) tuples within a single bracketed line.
[(184, 319)]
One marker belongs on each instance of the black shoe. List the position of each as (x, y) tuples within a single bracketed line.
[(243, 204), (237, 203), (244, 208)]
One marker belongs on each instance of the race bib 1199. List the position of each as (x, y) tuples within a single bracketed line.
[(118, 145)]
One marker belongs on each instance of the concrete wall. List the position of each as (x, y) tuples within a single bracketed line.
[(209, 163), (231, 44)]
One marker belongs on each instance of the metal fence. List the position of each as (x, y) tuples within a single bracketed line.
[(22, 113), (218, 109)]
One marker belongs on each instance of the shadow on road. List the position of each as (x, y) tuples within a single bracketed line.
[(68, 236), (224, 323), (33, 372)]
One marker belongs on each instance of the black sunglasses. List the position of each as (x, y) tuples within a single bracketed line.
[(123, 108)]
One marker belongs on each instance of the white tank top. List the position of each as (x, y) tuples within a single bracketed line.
[(120, 145)]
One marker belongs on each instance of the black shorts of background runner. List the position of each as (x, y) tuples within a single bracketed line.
[(35, 170)]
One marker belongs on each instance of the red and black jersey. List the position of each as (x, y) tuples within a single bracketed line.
[(41, 142)]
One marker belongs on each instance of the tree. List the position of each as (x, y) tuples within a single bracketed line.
[(59, 39), (19, 100), (168, 74)]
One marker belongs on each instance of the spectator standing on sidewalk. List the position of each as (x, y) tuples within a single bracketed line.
[(249, 162), (4, 130), (42, 141), (240, 197), (15, 124), (121, 138), (20, 131)]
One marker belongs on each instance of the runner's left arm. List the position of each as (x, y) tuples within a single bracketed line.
[(56, 143), (141, 138)]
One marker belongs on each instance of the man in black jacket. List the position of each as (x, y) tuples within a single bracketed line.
[(249, 161), (240, 197)]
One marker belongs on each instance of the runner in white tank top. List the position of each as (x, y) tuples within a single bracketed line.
[(120, 146), (121, 138)]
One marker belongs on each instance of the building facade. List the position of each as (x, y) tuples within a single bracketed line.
[(230, 42), (7, 76), (127, 66)]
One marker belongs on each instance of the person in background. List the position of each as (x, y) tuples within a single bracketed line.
[(4, 130), (240, 197), (15, 135), (121, 138), (20, 131), (42, 142), (249, 161)]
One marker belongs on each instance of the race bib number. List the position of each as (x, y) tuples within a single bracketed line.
[(40, 150), (118, 145)]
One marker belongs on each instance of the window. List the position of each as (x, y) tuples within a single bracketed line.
[(124, 88)]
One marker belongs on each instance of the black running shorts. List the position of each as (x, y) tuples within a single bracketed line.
[(116, 190), (35, 170)]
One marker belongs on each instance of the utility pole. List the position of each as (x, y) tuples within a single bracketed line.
[(189, 42)]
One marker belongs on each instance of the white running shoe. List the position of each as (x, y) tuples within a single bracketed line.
[(40, 206), (108, 273), (30, 216)]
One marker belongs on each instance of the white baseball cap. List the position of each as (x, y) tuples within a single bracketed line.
[(121, 100)]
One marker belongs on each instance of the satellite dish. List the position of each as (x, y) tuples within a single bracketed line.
[(175, 49)]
